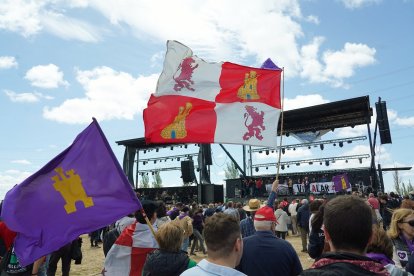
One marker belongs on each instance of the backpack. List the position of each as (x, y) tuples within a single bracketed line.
[(109, 239), (11, 265)]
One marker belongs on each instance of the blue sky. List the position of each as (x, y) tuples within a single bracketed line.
[(62, 62)]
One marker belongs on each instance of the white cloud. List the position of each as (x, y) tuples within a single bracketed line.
[(28, 18), (216, 30), (46, 76), (405, 121), (304, 101), (10, 178), (337, 65), (157, 58), (108, 95), (70, 28), (313, 19), (355, 4), (21, 161), (7, 62), (29, 97), (400, 121)]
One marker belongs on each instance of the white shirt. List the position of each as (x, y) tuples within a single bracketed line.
[(205, 268), (292, 209), (282, 219)]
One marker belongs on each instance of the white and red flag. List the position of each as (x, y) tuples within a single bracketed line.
[(202, 102), (128, 254)]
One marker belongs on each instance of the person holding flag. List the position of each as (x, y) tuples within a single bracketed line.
[(80, 190)]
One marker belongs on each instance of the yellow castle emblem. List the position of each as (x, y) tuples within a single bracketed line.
[(176, 130), (71, 189), (248, 91)]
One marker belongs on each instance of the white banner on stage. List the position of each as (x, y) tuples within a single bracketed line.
[(316, 188)]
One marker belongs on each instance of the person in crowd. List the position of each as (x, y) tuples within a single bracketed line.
[(162, 217), (94, 238), (242, 212), (175, 212), (313, 208), (210, 210), (303, 216), (401, 233), (258, 187), (306, 183), (63, 254), (136, 240), (293, 216), (282, 220), (348, 230), (186, 224), (168, 259), (124, 222), (317, 243), (198, 225), (375, 205), (224, 247), (246, 225), (407, 203), (264, 254), (231, 211), (380, 249)]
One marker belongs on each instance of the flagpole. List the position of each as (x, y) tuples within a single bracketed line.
[(282, 92)]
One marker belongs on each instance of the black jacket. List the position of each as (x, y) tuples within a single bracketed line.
[(342, 268), (316, 243), (161, 263)]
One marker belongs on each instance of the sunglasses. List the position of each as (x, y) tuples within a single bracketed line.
[(411, 222)]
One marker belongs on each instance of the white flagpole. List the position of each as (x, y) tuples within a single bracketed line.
[(282, 97)]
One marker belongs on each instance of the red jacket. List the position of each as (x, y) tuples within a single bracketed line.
[(7, 235)]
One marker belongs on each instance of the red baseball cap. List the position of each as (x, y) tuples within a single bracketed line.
[(265, 213)]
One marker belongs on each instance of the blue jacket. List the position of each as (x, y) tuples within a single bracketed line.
[(303, 216), (265, 254)]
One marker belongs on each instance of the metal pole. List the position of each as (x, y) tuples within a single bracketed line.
[(232, 159), (250, 161), (244, 158), (380, 178), (137, 174), (373, 169)]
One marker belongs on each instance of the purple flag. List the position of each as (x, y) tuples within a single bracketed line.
[(79, 191), (341, 182), (269, 64)]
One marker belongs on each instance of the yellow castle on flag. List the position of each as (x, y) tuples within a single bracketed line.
[(248, 91), (71, 188), (177, 130)]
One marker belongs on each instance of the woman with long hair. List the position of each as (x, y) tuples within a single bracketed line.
[(401, 233)]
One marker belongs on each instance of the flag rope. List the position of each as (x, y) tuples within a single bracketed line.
[(282, 93)]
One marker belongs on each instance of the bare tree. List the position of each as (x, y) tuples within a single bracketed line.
[(397, 182), (231, 171)]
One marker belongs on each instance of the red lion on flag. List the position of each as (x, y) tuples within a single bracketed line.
[(256, 126), (184, 79)]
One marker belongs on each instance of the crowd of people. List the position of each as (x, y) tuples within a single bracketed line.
[(352, 234)]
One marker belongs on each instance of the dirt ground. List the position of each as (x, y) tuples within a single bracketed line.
[(93, 258)]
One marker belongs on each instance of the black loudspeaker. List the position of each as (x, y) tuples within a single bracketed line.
[(187, 171), (211, 193), (383, 124), (207, 154)]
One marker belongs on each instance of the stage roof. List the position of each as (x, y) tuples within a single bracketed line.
[(350, 112)]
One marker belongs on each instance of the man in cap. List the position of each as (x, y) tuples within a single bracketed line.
[(263, 245), (246, 225)]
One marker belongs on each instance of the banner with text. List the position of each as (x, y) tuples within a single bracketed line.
[(316, 188)]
